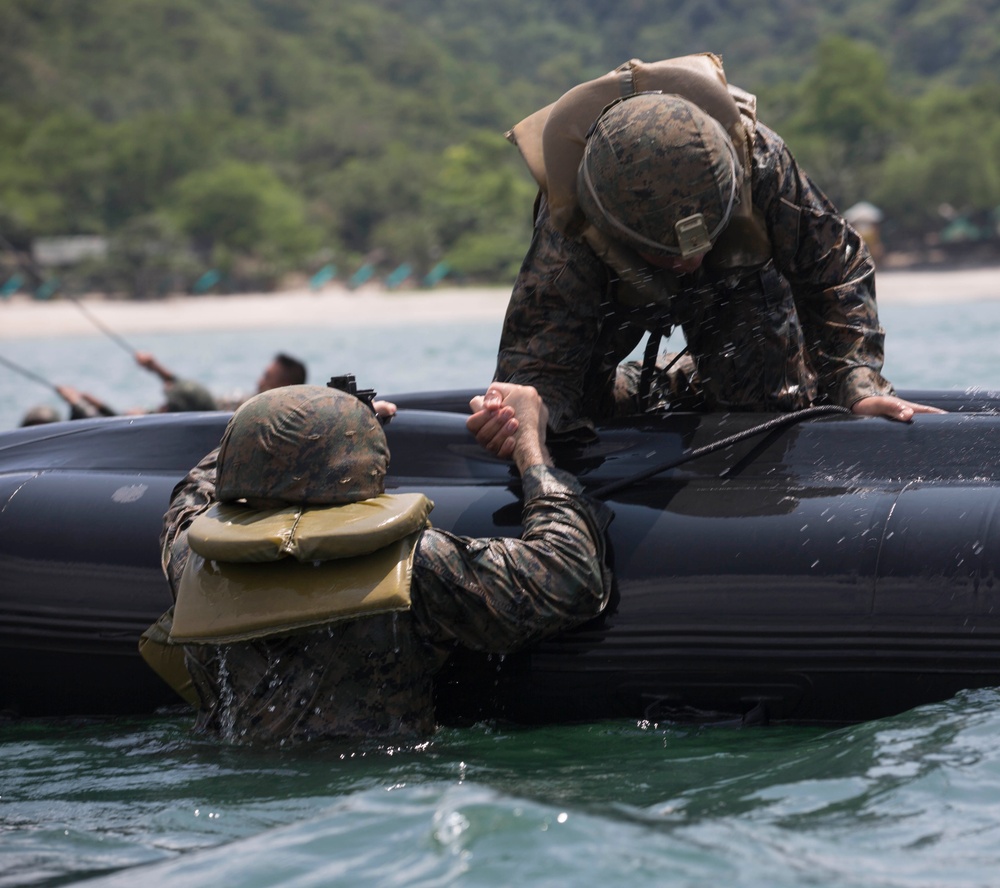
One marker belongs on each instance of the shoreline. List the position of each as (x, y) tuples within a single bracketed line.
[(333, 307), (22, 317)]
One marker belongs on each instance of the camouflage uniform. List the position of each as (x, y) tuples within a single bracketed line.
[(373, 676), (801, 328), (184, 395)]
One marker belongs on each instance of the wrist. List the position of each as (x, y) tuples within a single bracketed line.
[(532, 454)]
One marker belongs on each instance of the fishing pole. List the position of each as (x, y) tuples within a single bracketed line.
[(30, 374)]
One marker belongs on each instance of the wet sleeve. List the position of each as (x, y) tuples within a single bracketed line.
[(189, 498), (553, 323), (499, 594), (830, 270)]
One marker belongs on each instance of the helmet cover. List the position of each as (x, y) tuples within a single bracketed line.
[(660, 175), (302, 444)]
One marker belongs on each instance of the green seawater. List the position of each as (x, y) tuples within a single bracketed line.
[(912, 800)]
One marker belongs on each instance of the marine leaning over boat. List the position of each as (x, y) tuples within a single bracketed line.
[(664, 203), (310, 604)]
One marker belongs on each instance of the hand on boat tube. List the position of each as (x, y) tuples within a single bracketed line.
[(892, 407), (510, 421)]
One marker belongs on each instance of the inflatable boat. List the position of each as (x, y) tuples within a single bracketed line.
[(802, 568)]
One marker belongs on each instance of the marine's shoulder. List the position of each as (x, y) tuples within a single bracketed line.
[(772, 162)]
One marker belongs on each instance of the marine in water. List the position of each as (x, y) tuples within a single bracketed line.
[(311, 604)]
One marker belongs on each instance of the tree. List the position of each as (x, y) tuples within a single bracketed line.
[(482, 207), (846, 119), (950, 159), (238, 210)]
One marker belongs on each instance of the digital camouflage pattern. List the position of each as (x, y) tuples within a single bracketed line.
[(305, 444), (651, 161), (373, 677), (183, 395), (801, 329)]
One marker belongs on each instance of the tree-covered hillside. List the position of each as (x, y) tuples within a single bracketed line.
[(262, 137)]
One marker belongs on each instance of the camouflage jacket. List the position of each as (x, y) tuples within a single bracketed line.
[(373, 676), (801, 329)]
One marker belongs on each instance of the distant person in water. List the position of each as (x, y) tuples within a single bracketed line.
[(286, 370), (179, 395), (283, 370), (40, 415), (183, 394)]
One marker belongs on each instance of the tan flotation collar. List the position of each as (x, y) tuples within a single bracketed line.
[(553, 139), (234, 532), (254, 573)]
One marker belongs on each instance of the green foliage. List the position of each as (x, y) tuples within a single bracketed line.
[(237, 208), (948, 162), (845, 119), (147, 257), (253, 133), (482, 202)]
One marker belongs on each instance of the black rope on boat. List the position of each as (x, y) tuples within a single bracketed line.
[(783, 419)]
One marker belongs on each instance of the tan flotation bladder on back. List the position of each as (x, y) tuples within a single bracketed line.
[(254, 573), (553, 139)]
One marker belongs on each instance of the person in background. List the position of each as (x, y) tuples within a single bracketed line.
[(41, 414), (663, 203), (313, 666), (179, 396), (286, 370), (283, 370)]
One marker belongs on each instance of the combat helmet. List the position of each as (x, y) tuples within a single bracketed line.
[(40, 415), (302, 444), (660, 175)]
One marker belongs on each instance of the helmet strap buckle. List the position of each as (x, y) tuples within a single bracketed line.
[(692, 235)]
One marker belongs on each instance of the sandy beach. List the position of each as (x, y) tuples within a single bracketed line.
[(22, 317)]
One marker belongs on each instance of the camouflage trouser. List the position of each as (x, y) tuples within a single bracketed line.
[(368, 677)]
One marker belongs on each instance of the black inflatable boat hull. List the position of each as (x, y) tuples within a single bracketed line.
[(835, 570)]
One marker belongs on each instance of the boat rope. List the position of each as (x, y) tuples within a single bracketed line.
[(107, 331), (784, 419), (29, 374)]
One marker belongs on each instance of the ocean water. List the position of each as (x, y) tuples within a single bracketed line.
[(912, 800)]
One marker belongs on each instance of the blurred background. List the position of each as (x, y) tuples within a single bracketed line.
[(157, 146)]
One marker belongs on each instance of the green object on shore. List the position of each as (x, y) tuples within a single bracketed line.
[(436, 274), (208, 280), (326, 273), (362, 275), (11, 286), (400, 274), (47, 289)]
